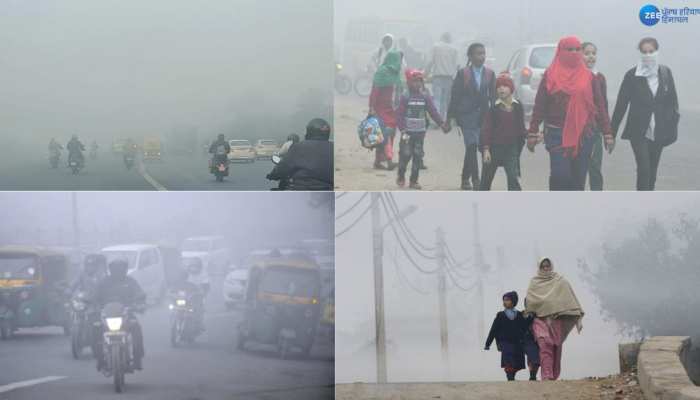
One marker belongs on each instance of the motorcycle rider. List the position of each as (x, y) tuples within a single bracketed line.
[(197, 275), (220, 146), (75, 149), (55, 149), (130, 149), (123, 289), (196, 292), (93, 148), (308, 165), (292, 139), (94, 271)]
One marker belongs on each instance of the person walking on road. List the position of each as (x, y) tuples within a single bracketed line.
[(473, 91), (556, 310), (509, 329), (381, 105), (595, 169), (442, 67), (652, 123), (569, 103)]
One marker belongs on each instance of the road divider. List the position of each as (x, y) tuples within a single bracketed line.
[(149, 178)]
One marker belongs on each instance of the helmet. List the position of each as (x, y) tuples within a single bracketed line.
[(294, 138), (74, 137), (94, 263), (195, 266), (118, 268), (318, 129), (221, 136)]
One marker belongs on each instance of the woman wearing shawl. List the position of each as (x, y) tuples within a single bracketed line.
[(652, 123), (553, 302), (570, 103), (381, 104)]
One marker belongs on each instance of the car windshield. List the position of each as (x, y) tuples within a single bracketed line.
[(127, 255), (239, 143), (18, 267), (541, 57), (196, 245), (289, 281)]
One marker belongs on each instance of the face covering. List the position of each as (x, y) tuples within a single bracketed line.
[(648, 64)]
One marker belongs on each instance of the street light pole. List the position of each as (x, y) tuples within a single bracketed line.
[(378, 252), (442, 300)]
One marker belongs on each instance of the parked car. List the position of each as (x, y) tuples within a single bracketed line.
[(526, 67), (234, 287), (266, 148), (146, 265), (211, 250), (241, 150)]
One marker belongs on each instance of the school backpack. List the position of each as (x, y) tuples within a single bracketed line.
[(370, 132)]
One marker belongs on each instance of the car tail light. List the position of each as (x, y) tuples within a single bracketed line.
[(525, 76)]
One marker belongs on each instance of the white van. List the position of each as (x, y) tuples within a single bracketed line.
[(212, 250), (145, 266)]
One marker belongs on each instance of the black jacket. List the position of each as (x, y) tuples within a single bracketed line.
[(216, 144), (505, 330), (308, 165), (75, 146), (635, 93), (125, 291)]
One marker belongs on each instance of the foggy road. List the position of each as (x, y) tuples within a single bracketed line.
[(208, 369), (444, 156), (107, 172)]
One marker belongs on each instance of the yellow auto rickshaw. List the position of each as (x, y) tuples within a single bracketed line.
[(282, 305), (151, 149), (33, 282)]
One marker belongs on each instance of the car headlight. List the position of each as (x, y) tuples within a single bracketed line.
[(114, 324), (180, 302)]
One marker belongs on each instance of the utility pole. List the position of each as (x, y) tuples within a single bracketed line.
[(500, 253), (378, 252), (442, 300), (480, 269), (76, 229)]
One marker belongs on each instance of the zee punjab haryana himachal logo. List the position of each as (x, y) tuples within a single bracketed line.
[(651, 15)]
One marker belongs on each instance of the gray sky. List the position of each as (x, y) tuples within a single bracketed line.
[(563, 226), (125, 67)]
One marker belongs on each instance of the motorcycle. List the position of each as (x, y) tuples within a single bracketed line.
[(185, 323), (283, 183), (54, 158), (363, 83), (129, 161), (343, 83), (118, 346), (75, 163), (219, 167), (81, 324)]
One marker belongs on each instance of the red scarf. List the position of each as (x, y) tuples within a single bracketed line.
[(568, 74)]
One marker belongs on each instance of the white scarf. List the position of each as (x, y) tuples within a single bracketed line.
[(648, 67)]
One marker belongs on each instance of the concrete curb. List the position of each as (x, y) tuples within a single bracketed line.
[(661, 371)]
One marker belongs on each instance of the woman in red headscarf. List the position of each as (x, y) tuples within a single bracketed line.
[(570, 103)]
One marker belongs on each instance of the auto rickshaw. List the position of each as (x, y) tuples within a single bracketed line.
[(151, 149), (282, 304), (33, 283)]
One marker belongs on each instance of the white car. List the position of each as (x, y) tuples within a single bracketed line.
[(266, 148), (526, 67), (241, 150), (145, 266), (211, 250), (234, 287)]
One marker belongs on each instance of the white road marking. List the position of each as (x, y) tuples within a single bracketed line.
[(31, 382), (149, 178)]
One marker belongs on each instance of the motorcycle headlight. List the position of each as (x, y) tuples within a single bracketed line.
[(114, 324), (181, 302)]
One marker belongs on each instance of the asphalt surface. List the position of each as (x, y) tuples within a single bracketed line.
[(107, 172), (208, 369)]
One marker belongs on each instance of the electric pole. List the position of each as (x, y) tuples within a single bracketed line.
[(480, 269), (378, 252), (442, 300)]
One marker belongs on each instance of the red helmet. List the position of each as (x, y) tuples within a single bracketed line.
[(413, 74)]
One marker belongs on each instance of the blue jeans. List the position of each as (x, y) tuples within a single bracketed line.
[(566, 172), (442, 88)]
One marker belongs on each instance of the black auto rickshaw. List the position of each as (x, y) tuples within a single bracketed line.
[(282, 305), (33, 283)]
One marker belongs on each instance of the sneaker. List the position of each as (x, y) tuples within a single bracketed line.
[(423, 167), (415, 186), (378, 165), (401, 182), (466, 185)]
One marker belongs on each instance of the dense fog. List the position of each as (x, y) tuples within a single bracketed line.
[(569, 228)]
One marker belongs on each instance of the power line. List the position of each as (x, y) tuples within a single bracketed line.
[(404, 278), (352, 207), (404, 226), (456, 282), (403, 248), (352, 225), (415, 243)]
